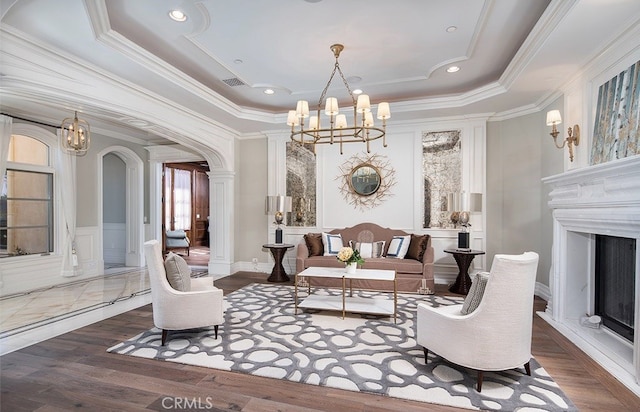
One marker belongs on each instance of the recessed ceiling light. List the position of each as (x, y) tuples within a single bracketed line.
[(238, 61), (177, 15), (451, 29), (357, 91), (268, 91), (453, 69)]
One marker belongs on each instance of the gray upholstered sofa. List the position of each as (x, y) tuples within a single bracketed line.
[(409, 272)]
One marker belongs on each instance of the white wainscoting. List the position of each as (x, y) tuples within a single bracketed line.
[(88, 249), (114, 243), (24, 273)]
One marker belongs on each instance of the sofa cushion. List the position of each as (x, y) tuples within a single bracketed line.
[(398, 246), (474, 297), (314, 244), (399, 265), (178, 272), (417, 246), (332, 244), (369, 250)]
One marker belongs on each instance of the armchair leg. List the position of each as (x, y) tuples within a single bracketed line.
[(527, 368), (164, 336), (480, 376), (215, 328), (426, 355)]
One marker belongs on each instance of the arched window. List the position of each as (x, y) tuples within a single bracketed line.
[(27, 199)]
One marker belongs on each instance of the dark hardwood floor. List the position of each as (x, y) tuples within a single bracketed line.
[(74, 371)]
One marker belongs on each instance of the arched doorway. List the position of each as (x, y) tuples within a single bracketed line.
[(133, 207)]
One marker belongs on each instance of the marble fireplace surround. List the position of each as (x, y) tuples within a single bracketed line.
[(602, 199)]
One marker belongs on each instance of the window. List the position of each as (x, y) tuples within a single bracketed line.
[(177, 194), (26, 199)]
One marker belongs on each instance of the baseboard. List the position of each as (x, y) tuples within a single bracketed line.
[(542, 291)]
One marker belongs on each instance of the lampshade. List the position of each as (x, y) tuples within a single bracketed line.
[(278, 203), (553, 117), (383, 111), (472, 202), (363, 105), (331, 107)]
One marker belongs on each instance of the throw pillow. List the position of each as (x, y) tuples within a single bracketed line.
[(178, 272), (398, 246), (478, 285), (417, 246), (332, 244), (369, 250), (314, 244)]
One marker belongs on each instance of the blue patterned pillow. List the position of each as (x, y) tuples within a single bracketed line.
[(332, 244), (398, 246)]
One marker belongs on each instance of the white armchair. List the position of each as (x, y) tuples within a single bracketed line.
[(176, 310), (497, 335)]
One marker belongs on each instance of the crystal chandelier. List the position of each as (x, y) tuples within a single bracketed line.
[(362, 130), (76, 135)]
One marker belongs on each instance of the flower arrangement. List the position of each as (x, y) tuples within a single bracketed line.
[(349, 255)]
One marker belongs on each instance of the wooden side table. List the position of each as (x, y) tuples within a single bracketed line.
[(278, 251), (463, 259)]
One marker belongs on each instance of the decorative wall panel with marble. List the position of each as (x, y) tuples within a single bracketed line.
[(301, 184), (442, 174)]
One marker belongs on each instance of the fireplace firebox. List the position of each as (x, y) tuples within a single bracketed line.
[(615, 272)]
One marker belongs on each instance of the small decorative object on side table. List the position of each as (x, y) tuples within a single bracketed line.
[(278, 250), (463, 259)]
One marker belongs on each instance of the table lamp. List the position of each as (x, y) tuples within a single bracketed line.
[(278, 205), (469, 203)]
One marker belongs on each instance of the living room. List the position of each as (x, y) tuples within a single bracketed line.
[(506, 153)]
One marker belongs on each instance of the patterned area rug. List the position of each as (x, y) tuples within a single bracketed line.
[(263, 336)]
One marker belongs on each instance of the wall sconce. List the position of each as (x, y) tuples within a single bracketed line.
[(463, 204), (278, 205), (573, 134)]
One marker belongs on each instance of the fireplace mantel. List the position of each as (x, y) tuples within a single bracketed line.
[(598, 200)]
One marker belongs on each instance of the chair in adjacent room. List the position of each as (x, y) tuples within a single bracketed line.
[(177, 239), (199, 304), (496, 335)]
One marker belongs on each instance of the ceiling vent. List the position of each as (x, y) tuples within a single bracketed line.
[(233, 82)]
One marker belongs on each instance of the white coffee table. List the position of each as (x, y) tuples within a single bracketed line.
[(349, 303)]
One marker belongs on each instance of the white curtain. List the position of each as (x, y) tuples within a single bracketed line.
[(182, 199), (67, 168), (5, 138)]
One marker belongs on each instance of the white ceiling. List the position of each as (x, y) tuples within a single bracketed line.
[(514, 55)]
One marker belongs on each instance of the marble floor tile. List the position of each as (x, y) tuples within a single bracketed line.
[(30, 317)]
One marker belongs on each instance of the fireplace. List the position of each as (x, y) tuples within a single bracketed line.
[(596, 214), (615, 267)]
